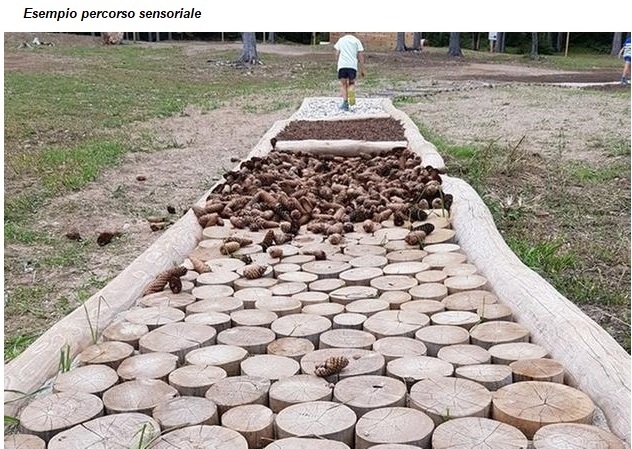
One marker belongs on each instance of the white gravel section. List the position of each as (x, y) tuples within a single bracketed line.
[(329, 107)]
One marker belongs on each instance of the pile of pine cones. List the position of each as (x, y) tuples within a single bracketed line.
[(330, 193)]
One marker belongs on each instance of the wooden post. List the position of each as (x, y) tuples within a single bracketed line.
[(568, 38)]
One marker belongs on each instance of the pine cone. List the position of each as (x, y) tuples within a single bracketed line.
[(417, 214), (199, 265), (399, 218), (281, 238), (335, 239), (333, 365), (369, 226), (415, 238), (254, 271), (175, 284), (319, 254), (275, 252), (425, 227), (243, 241), (268, 240), (229, 248), (163, 279)]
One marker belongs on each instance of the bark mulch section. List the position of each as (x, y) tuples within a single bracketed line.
[(372, 130)]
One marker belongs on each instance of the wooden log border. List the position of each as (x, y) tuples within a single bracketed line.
[(594, 361)]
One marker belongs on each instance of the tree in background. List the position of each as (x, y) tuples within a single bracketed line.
[(534, 46), (249, 49), (500, 43), (454, 48), (401, 42), (617, 39), (417, 42)]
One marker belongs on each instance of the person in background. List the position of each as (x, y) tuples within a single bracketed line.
[(350, 57), (625, 53)]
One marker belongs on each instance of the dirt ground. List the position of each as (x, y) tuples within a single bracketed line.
[(460, 100)]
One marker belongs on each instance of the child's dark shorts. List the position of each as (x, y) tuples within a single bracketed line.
[(346, 73)]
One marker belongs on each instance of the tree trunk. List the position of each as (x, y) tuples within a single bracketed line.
[(249, 49), (401, 42), (417, 42), (476, 41), (455, 45), (616, 44), (271, 37), (499, 46), (559, 42), (534, 46)]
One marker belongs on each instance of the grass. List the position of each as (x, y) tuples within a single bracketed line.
[(63, 138)]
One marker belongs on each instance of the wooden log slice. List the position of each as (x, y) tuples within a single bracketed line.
[(217, 232), (431, 276), (530, 405), (495, 312), (575, 436), (125, 332), (371, 240), (493, 333), (393, 427), (436, 337), (309, 298), (289, 250), (413, 369), (349, 321), (460, 269), (461, 355), (50, 414), (250, 295), (441, 260), (92, 379), (361, 362), (444, 398), (469, 300), (505, 353), (432, 291), (346, 338), (221, 277), (319, 419), (302, 325), (249, 249), (154, 365), (254, 283), (298, 259), (326, 285), (438, 221), (367, 307), (185, 411), (226, 357), (201, 437), (405, 268), (292, 347), (399, 245), (195, 380), (491, 377), (252, 317), (364, 250), (395, 298), (307, 239), (168, 299), (154, 317), (407, 255), (442, 248), (212, 291), (255, 422), (140, 395), (281, 305), (110, 353), (326, 269), (285, 267), (178, 339), (464, 433), (287, 288), (225, 304), (368, 261), (425, 306), (395, 347), (270, 366), (121, 430), (217, 320), (298, 276), (297, 389), (306, 443), (238, 390), (251, 338), (346, 295), (329, 249), (440, 235), (263, 259), (393, 282), (395, 323), (360, 276), (24, 441), (326, 309), (462, 283), (365, 393), (461, 318), (391, 234), (543, 370)]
